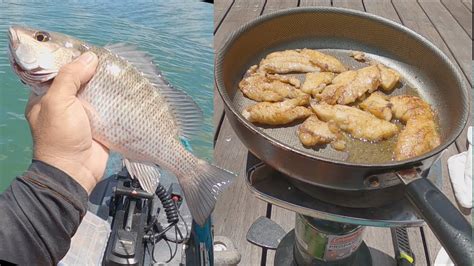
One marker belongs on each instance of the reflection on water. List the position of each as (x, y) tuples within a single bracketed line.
[(178, 34)]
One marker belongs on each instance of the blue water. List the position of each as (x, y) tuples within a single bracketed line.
[(178, 34)]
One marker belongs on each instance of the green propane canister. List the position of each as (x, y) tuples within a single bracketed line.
[(319, 241)]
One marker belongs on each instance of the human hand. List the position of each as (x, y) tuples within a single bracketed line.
[(60, 127)]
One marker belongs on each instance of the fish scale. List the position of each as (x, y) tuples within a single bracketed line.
[(132, 110), (131, 123)]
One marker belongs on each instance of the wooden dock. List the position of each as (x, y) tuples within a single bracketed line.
[(446, 23)]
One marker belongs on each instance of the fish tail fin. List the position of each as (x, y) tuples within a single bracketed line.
[(206, 181)]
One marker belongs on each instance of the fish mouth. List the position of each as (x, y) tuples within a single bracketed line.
[(32, 77), (27, 76)]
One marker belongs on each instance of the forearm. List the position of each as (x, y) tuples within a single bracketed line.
[(40, 212)]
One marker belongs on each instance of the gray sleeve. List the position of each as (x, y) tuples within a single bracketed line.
[(39, 213)]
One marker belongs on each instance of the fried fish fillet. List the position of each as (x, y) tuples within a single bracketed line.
[(345, 77), (358, 123), (418, 137), (358, 55), (405, 107), (389, 77), (420, 134), (298, 60), (352, 85), (314, 132), (286, 62), (285, 53), (378, 104), (324, 61), (286, 79), (333, 92), (279, 113), (263, 87), (315, 82)]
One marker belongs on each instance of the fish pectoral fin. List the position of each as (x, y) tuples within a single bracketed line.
[(147, 174), (186, 112)]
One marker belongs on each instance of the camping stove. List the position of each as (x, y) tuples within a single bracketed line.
[(324, 233)]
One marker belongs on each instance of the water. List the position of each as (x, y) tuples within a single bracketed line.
[(178, 34)]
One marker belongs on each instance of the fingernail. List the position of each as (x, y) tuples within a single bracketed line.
[(86, 58)]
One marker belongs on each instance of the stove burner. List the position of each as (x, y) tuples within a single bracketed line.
[(272, 186), (325, 233)]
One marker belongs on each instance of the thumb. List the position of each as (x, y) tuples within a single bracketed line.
[(73, 75)]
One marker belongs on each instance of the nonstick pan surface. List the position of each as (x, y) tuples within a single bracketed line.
[(426, 72)]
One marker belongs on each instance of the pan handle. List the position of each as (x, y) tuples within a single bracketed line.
[(444, 219)]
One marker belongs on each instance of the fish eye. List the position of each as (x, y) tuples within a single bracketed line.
[(42, 36)]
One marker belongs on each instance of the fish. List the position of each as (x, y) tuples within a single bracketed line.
[(379, 105), (360, 124), (348, 87), (420, 134), (300, 60), (353, 85), (315, 132), (132, 110), (264, 87), (279, 113), (315, 82)]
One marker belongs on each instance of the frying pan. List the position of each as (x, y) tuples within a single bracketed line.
[(364, 181)]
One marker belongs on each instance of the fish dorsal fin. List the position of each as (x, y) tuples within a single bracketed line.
[(186, 112)]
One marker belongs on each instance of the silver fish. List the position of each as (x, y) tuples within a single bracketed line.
[(132, 109)]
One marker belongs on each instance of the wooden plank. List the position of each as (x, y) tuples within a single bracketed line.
[(379, 240), (416, 245), (462, 15), (386, 9), (352, 4), (468, 4), (281, 216), (413, 17), (286, 219), (241, 12), (452, 33), (272, 6), (383, 8), (236, 208), (456, 39), (315, 3), (221, 8)]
